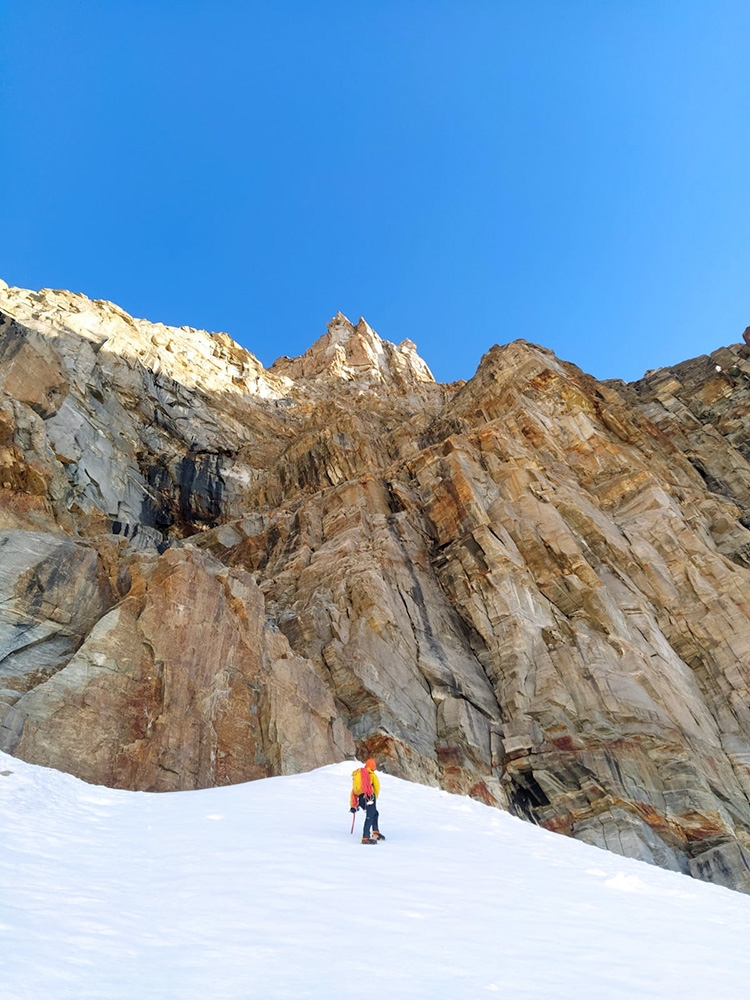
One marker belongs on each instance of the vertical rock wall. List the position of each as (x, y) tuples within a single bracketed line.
[(532, 588)]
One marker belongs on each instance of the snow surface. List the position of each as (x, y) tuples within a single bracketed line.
[(260, 891)]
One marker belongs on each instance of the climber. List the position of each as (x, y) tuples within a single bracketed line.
[(365, 791)]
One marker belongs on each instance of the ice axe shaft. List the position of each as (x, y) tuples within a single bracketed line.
[(354, 816)]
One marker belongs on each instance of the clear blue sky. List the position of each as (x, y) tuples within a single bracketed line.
[(463, 173)]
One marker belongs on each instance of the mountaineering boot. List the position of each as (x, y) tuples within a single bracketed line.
[(369, 840), (377, 836)]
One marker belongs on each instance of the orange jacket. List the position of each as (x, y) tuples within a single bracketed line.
[(357, 785)]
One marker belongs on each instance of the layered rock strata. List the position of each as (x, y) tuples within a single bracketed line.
[(532, 587)]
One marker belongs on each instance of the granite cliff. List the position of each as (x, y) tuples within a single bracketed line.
[(532, 587)]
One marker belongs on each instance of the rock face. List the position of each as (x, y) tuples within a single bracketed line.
[(532, 587)]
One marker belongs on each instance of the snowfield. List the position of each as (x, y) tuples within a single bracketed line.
[(259, 891)]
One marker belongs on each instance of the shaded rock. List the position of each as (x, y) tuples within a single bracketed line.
[(31, 371), (726, 864), (54, 589)]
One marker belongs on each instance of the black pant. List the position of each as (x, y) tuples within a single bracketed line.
[(371, 816)]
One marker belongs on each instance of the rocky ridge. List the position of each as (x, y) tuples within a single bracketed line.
[(532, 587)]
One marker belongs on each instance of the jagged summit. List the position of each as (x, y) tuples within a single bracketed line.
[(357, 352), (194, 357)]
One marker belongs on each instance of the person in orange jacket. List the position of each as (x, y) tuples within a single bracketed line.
[(365, 791)]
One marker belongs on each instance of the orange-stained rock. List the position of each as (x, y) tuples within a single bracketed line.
[(180, 686)]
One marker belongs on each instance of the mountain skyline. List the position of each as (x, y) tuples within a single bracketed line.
[(462, 174)]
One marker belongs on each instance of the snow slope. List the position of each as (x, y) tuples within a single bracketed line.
[(259, 891)]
